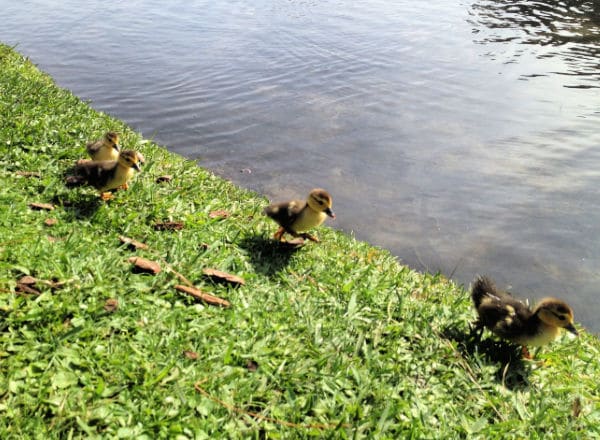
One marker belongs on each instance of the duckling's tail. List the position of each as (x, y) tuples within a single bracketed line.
[(481, 287)]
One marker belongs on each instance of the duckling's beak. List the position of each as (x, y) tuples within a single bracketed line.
[(136, 166), (572, 329), (117, 147), (330, 213)]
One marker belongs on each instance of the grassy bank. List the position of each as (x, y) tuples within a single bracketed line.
[(333, 340)]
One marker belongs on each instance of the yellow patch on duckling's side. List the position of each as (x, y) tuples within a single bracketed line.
[(122, 175), (308, 219), (545, 335), (297, 216)]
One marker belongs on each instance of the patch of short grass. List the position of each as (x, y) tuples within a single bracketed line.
[(334, 340)]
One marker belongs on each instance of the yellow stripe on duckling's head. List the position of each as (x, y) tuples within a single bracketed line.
[(129, 159), (319, 200), (556, 313), (112, 138)]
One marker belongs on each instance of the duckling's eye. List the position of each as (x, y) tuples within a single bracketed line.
[(561, 317), (320, 202)]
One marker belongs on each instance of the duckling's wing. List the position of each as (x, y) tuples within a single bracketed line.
[(97, 173), (93, 147), (504, 315), (285, 213)]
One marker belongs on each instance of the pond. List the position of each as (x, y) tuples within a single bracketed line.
[(462, 136)]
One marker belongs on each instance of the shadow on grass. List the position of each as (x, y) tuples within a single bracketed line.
[(268, 256), (84, 206), (513, 372)]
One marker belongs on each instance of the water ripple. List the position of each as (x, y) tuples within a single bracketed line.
[(568, 30)]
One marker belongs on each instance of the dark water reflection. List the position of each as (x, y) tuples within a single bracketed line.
[(566, 29), (462, 136)]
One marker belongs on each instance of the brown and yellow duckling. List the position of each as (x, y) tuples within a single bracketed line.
[(297, 216), (106, 148), (510, 319), (106, 175)]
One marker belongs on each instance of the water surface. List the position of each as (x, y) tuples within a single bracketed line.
[(462, 136)]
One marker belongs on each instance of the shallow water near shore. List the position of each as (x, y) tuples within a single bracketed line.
[(462, 136)]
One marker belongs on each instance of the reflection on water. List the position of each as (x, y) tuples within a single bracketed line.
[(566, 29), (463, 137)]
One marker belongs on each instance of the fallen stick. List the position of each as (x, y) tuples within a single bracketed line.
[(206, 297)]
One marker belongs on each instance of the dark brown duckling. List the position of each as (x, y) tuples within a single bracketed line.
[(511, 319)]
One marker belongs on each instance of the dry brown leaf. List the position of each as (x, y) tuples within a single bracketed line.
[(220, 276), (576, 407), (24, 288), (26, 284), (252, 365), (29, 174), (28, 279), (134, 244), (42, 206), (111, 305), (164, 179), (206, 297), (219, 213), (144, 265), (50, 221), (168, 226), (191, 355)]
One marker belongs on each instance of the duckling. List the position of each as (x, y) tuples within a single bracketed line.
[(106, 148), (510, 319), (106, 175), (296, 216)]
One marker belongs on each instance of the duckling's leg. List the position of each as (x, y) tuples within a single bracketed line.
[(106, 196), (279, 234), (476, 330), (309, 237)]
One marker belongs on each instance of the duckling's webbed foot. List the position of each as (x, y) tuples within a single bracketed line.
[(279, 234), (309, 237), (476, 330), (106, 196)]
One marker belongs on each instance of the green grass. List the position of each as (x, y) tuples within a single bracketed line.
[(331, 340)]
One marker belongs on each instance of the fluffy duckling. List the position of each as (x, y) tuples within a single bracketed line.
[(296, 216), (106, 148), (106, 175), (509, 318)]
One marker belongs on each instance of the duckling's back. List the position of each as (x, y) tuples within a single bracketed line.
[(97, 173), (502, 313), (482, 287), (285, 213)]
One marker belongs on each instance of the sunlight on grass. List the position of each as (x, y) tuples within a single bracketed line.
[(334, 340)]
